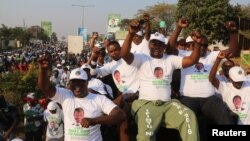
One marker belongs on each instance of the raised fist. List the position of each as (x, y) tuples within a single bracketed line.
[(231, 26)]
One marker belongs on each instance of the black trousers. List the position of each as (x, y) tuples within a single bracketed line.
[(34, 136), (212, 107), (210, 110)]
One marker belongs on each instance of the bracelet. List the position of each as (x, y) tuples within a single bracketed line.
[(93, 62)]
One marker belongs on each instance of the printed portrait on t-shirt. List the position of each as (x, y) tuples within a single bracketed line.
[(52, 124), (237, 102), (53, 128), (119, 81), (158, 72), (117, 76), (200, 67), (78, 116)]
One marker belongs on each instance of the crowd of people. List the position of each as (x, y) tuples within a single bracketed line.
[(147, 79)]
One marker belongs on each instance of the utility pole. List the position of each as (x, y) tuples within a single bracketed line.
[(83, 6)]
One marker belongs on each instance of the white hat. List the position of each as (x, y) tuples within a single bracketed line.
[(237, 74), (78, 73), (158, 36), (85, 66), (58, 65), (63, 61), (17, 139), (30, 96), (99, 89), (189, 39), (99, 45), (52, 106), (139, 33)]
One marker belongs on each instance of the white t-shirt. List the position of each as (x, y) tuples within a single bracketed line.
[(141, 48), (238, 100), (124, 75), (248, 77), (93, 106), (194, 79), (222, 78), (55, 123), (155, 75)]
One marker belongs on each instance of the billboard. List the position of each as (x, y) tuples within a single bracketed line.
[(113, 22), (75, 44), (82, 32), (47, 27)]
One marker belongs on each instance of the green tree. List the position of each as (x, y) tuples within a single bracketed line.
[(209, 16), (26, 36), (54, 37), (43, 36), (160, 12), (246, 10), (38, 33), (21, 34), (5, 34), (124, 24)]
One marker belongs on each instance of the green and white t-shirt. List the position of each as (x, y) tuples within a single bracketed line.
[(155, 75), (93, 105), (194, 79), (238, 100)]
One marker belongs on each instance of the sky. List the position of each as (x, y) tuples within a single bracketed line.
[(66, 18)]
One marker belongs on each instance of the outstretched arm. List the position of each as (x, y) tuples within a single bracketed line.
[(171, 47), (43, 76), (126, 47), (233, 37), (212, 75), (195, 56), (146, 18), (92, 40)]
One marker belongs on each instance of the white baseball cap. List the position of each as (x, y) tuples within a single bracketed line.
[(85, 66), (52, 106), (30, 97), (158, 36), (189, 39), (58, 65), (17, 139), (99, 89), (78, 73), (139, 33), (237, 74)]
